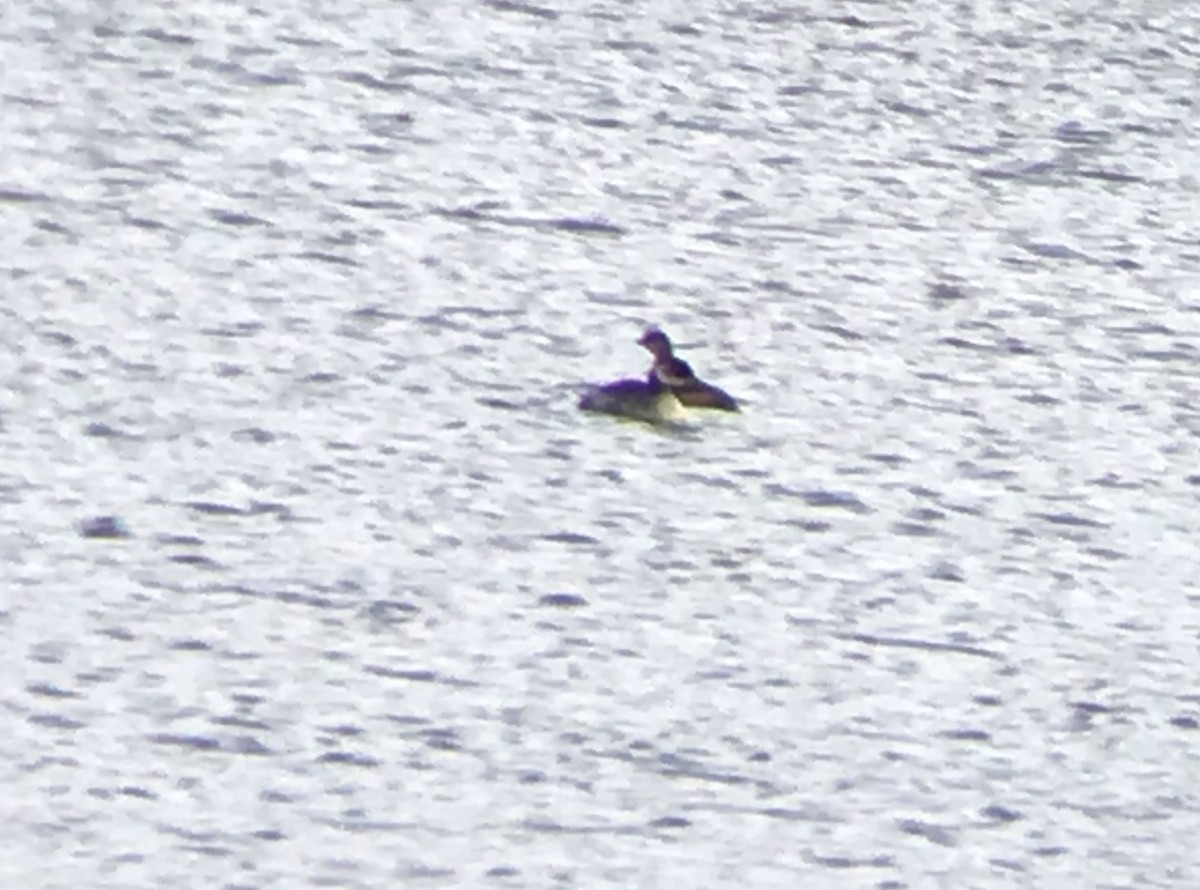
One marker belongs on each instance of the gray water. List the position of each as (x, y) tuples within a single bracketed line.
[(302, 295)]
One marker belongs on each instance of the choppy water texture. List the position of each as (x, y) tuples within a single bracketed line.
[(300, 295)]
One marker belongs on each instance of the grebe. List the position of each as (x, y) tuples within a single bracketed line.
[(677, 374), (649, 399), (669, 386)]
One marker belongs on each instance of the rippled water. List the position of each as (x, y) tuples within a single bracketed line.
[(301, 298)]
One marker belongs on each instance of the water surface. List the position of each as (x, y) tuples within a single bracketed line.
[(303, 297)]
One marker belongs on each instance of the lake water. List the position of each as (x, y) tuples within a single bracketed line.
[(301, 296)]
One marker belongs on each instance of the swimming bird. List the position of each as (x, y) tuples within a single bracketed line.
[(649, 399), (669, 386), (679, 377)]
